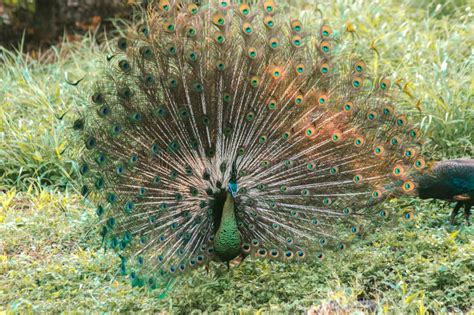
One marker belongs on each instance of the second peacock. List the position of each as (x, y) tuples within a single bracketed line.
[(229, 129)]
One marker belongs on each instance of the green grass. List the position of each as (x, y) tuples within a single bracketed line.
[(51, 260), (50, 257)]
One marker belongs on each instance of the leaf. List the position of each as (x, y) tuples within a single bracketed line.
[(452, 236), (410, 298), (7, 199), (37, 157), (59, 149)]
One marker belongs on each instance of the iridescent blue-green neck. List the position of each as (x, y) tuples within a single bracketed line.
[(227, 240)]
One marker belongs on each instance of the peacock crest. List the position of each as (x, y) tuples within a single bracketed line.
[(226, 129)]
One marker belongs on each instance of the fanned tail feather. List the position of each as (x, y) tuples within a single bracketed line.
[(315, 140)]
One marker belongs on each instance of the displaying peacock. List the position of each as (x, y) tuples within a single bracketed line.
[(222, 130)]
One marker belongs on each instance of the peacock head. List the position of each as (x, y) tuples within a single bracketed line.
[(232, 186)]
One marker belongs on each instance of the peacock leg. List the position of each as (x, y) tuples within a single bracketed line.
[(242, 256), (467, 210), (455, 212)]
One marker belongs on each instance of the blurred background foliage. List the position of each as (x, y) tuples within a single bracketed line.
[(40, 23)]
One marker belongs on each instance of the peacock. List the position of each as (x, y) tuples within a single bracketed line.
[(451, 180), (220, 130)]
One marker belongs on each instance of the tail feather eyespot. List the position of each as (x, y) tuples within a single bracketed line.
[(408, 186), (359, 66), (218, 19), (269, 7), (325, 47), (296, 26), (326, 31), (244, 9)]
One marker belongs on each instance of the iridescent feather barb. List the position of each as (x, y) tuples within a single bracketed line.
[(226, 129)]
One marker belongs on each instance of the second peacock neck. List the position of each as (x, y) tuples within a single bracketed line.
[(227, 239)]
